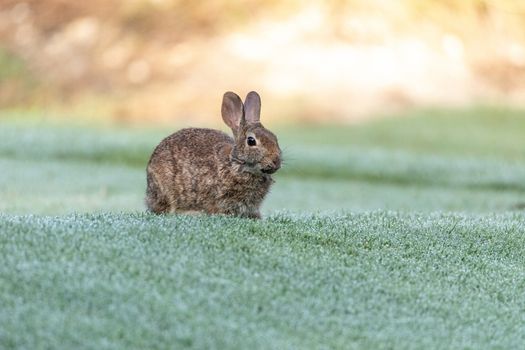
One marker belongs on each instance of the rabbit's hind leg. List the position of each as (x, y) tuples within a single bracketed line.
[(156, 201)]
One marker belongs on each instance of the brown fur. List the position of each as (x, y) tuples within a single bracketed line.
[(205, 170)]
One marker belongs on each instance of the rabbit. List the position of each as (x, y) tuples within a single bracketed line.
[(206, 171)]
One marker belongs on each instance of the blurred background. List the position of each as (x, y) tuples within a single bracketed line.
[(166, 60), (378, 104)]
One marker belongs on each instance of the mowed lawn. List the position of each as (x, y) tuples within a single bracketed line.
[(399, 233)]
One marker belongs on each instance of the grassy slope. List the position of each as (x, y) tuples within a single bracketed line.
[(371, 280), (411, 279)]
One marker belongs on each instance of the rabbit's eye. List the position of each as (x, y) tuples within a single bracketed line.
[(251, 141)]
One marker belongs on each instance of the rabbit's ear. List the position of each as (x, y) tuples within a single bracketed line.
[(232, 110), (252, 107)]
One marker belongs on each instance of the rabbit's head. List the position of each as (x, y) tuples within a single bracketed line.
[(256, 148)]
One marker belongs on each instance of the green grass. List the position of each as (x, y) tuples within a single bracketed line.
[(371, 280), (399, 233)]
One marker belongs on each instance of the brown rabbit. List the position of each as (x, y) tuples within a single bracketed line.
[(205, 170)]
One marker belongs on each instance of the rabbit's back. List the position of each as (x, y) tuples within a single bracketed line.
[(197, 143)]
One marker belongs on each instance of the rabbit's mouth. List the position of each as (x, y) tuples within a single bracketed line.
[(269, 171), (256, 168), (271, 168)]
